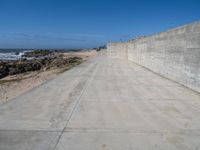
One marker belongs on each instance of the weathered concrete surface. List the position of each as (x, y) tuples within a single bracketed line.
[(174, 54), (103, 104), (117, 50)]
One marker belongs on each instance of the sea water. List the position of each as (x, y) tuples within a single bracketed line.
[(11, 54)]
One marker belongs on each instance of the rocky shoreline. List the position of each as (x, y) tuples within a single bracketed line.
[(36, 60), (46, 67)]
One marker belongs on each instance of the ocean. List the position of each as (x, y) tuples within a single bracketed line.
[(15, 54), (11, 54)]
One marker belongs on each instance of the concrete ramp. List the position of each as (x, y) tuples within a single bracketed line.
[(105, 103)]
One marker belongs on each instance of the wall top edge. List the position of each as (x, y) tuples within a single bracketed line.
[(196, 23)]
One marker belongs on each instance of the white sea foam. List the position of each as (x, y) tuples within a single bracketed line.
[(11, 55)]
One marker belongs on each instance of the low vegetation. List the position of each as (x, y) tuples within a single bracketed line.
[(54, 60)]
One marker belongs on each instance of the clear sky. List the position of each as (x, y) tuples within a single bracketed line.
[(88, 23)]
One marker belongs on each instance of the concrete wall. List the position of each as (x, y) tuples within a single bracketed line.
[(102, 52), (117, 50), (174, 54)]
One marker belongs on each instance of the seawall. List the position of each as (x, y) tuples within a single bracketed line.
[(174, 54)]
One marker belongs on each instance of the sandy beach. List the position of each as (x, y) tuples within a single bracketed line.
[(15, 85)]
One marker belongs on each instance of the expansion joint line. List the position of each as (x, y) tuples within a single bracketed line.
[(90, 78)]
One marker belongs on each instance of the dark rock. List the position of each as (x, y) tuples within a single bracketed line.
[(22, 66), (13, 71), (3, 72), (37, 53)]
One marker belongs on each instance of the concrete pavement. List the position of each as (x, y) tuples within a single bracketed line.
[(106, 104)]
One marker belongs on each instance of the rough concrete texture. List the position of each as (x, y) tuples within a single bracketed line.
[(105, 103), (117, 50), (174, 54)]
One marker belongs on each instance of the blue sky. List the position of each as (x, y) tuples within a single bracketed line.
[(88, 23)]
